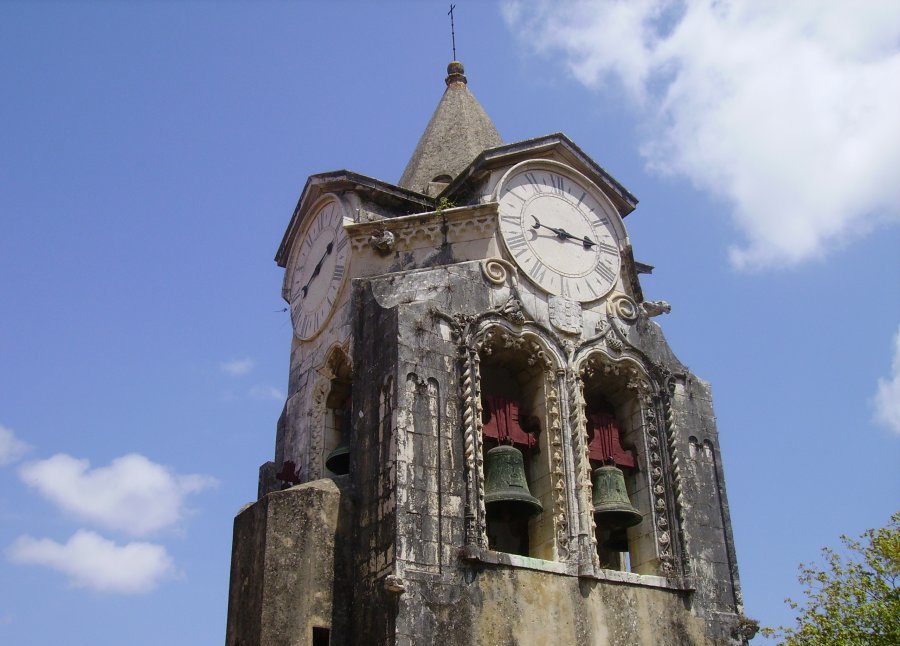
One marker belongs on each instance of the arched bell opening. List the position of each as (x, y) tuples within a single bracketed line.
[(614, 429), (518, 493), (337, 418)]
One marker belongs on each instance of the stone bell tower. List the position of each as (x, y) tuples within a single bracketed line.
[(486, 439)]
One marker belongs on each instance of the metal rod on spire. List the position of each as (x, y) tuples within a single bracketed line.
[(452, 29)]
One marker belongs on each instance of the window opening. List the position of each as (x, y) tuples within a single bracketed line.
[(338, 419), (511, 447), (613, 467)]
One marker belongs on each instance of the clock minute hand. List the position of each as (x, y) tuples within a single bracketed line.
[(317, 268), (562, 233)]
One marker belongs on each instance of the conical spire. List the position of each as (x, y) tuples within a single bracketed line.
[(458, 132)]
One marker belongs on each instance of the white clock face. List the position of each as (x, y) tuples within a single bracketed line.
[(559, 234), (318, 270)]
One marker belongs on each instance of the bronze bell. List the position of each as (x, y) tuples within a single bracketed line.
[(505, 484), (617, 541), (612, 508), (338, 460)]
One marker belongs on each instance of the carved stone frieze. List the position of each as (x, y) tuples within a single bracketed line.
[(426, 229)]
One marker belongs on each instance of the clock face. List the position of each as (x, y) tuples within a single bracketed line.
[(562, 236), (318, 270)]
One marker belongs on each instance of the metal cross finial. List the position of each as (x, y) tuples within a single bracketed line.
[(452, 29)]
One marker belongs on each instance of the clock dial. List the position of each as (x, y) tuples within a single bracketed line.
[(560, 233), (318, 270)]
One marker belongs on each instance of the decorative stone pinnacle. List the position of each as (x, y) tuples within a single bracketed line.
[(455, 73)]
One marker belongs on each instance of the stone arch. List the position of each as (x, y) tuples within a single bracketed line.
[(619, 389), (522, 366), (330, 398)]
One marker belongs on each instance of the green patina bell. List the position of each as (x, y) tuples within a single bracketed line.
[(338, 460), (612, 508), (617, 541), (505, 484)]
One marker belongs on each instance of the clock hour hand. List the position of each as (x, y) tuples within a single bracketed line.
[(562, 233), (317, 268)]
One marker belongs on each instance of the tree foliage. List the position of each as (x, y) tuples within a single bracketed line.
[(852, 598)]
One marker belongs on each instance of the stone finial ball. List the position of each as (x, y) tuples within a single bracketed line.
[(455, 73), (455, 67)]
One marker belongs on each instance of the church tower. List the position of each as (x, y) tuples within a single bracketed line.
[(486, 439)]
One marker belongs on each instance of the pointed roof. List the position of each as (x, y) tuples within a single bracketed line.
[(458, 132)]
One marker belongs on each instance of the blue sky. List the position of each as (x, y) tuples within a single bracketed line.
[(152, 154)]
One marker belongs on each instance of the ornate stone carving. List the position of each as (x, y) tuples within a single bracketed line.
[(671, 431), (558, 478), (565, 314), (474, 514), (621, 306), (512, 311), (655, 308), (496, 337), (614, 344), (582, 459), (382, 241), (636, 379), (497, 271)]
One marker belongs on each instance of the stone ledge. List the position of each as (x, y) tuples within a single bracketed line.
[(490, 557), (472, 553)]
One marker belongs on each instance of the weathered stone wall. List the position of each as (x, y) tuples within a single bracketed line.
[(283, 569), (429, 479), (373, 470), (520, 607)]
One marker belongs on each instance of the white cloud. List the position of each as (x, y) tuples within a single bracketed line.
[(887, 399), (237, 367), (132, 494), (785, 110), (11, 447), (91, 561), (266, 392)]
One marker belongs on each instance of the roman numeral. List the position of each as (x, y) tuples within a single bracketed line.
[(608, 248), (516, 195), (556, 181), (605, 271), (581, 199), (510, 219), (342, 243), (534, 183), (517, 243), (539, 271), (338, 272)]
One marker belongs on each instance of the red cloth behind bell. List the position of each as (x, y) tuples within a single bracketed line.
[(603, 441), (501, 422)]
